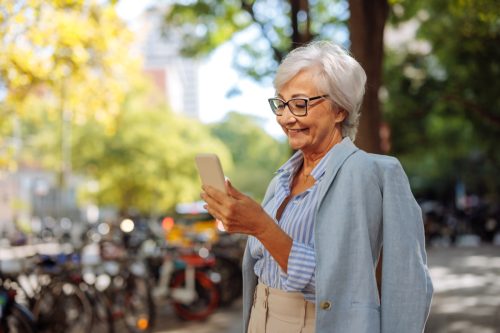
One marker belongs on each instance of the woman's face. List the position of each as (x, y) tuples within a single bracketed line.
[(318, 131)]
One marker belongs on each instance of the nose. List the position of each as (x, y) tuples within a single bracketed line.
[(287, 117)]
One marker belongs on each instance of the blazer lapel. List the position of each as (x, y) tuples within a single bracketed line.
[(341, 151)]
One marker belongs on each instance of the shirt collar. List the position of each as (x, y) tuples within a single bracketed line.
[(293, 164)]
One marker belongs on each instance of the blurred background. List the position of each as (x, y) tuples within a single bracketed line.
[(103, 105)]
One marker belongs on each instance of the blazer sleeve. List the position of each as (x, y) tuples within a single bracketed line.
[(406, 285)]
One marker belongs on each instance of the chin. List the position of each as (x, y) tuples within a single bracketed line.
[(295, 145)]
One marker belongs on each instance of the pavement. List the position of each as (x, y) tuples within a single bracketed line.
[(466, 298), (224, 320), (466, 290)]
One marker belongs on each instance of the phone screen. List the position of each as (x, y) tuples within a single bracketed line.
[(210, 170)]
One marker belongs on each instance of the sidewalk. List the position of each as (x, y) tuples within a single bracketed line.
[(466, 290), (466, 298), (224, 320)]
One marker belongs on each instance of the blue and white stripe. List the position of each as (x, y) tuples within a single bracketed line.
[(297, 220)]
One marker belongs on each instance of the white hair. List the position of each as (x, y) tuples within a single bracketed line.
[(339, 75)]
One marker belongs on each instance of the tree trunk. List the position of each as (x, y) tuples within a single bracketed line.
[(301, 33), (366, 25)]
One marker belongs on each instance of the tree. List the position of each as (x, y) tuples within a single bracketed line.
[(441, 104), (70, 79), (145, 163), (277, 27), (70, 52), (366, 26), (148, 162), (256, 155)]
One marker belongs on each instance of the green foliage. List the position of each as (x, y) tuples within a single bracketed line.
[(69, 78), (443, 104), (256, 155), (67, 51), (205, 24), (262, 29), (148, 162)]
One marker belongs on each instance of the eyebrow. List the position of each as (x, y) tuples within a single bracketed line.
[(294, 95)]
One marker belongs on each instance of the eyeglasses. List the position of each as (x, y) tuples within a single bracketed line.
[(297, 106)]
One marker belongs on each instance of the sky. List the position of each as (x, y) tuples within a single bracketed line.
[(213, 101), (253, 97)]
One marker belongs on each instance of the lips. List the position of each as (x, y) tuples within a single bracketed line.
[(296, 130)]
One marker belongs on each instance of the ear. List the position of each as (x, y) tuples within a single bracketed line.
[(340, 114)]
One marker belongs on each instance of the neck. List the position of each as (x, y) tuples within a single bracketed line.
[(312, 158)]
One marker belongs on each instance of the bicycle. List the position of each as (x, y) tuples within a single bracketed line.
[(186, 277)]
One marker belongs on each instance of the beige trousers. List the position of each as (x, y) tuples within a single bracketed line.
[(278, 311)]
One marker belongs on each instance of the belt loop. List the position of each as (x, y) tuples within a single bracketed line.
[(266, 292), (255, 295), (305, 314), (266, 306)]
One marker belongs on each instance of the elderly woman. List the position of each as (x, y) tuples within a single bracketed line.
[(315, 241)]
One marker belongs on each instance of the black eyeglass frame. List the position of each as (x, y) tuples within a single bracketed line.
[(285, 104)]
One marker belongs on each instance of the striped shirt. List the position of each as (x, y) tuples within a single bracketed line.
[(297, 220)]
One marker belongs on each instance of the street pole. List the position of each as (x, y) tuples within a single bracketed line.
[(65, 141)]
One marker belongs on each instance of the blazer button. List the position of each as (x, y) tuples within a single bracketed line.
[(325, 305)]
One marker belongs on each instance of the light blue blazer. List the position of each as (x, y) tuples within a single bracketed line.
[(365, 203)]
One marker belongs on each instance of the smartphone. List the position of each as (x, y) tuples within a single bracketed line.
[(210, 171)]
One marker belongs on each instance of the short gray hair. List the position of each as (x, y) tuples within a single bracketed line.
[(339, 75)]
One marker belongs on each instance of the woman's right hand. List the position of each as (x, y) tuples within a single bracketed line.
[(238, 212), (241, 214)]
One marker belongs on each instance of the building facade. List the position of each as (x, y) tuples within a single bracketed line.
[(176, 77)]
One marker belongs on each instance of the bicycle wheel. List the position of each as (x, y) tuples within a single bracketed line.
[(231, 283), (102, 319), (206, 302), (62, 307), (19, 320), (137, 304)]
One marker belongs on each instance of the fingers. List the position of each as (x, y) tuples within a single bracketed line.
[(230, 208), (212, 211), (221, 196), (214, 193), (232, 191), (216, 201), (218, 216), (212, 206)]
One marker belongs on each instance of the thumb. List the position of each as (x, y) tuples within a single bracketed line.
[(232, 191)]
